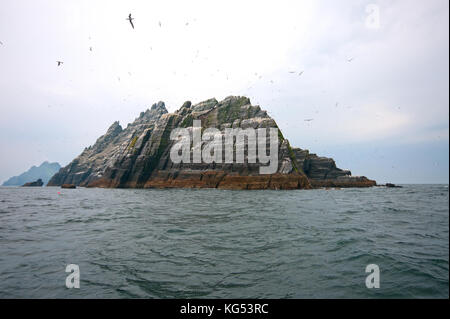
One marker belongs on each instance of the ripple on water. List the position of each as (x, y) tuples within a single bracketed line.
[(211, 243)]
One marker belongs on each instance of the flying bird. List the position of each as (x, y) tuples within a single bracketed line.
[(350, 60), (131, 20), (159, 23), (300, 73), (59, 62), (90, 49)]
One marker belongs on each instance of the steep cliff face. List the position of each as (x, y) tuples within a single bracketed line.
[(322, 171), (139, 155)]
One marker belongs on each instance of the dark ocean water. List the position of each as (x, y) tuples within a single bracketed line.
[(233, 244)]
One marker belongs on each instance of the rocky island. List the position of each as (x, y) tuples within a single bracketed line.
[(37, 183), (139, 155)]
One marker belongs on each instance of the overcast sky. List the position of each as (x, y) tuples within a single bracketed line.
[(376, 89)]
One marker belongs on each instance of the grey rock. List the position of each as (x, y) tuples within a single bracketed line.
[(318, 168), (139, 155), (37, 183)]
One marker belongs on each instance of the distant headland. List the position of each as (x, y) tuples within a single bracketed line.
[(44, 172)]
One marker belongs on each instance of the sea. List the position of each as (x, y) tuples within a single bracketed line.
[(210, 243)]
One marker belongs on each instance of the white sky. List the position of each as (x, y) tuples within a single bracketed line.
[(392, 98)]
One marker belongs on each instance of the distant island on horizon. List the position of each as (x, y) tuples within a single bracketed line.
[(139, 155), (44, 172)]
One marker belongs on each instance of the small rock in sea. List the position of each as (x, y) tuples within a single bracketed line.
[(37, 183), (390, 185), (68, 186)]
